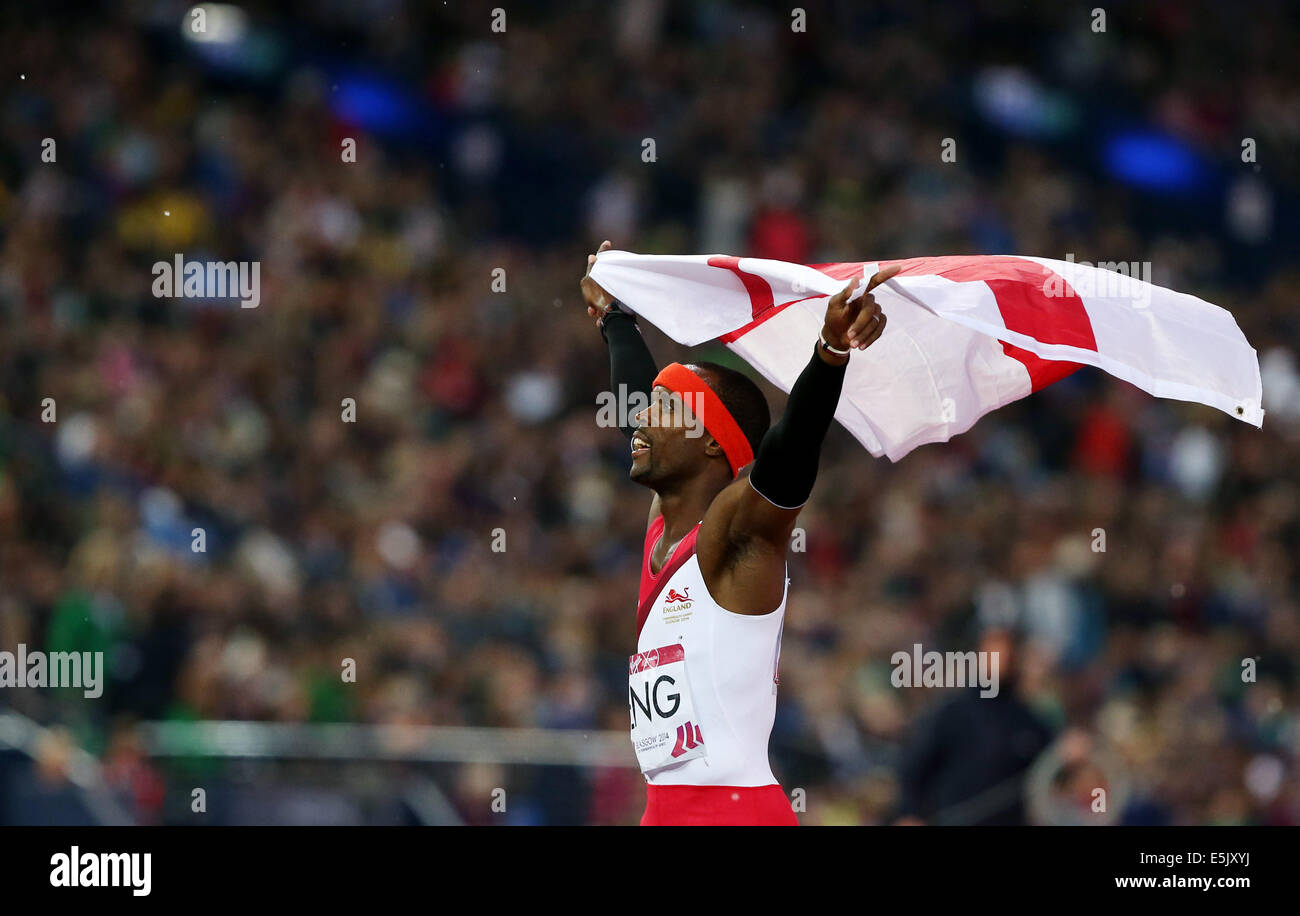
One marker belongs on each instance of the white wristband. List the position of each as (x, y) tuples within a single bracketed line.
[(821, 335)]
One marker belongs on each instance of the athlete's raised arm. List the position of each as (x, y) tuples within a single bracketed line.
[(630, 361), (785, 466)]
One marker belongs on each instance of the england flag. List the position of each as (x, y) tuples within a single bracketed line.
[(966, 334)]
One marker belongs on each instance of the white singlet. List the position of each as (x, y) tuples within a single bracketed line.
[(711, 727)]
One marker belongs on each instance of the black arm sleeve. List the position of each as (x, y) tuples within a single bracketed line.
[(786, 465), (630, 362)]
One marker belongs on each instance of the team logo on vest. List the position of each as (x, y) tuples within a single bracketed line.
[(677, 605)]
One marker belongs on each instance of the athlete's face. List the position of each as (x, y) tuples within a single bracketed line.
[(670, 441)]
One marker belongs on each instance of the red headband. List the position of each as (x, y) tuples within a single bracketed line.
[(717, 419)]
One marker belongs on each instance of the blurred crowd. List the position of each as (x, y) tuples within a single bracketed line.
[(1144, 549)]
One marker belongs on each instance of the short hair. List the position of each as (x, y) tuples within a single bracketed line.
[(743, 399)]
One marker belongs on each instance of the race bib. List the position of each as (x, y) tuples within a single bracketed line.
[(665, 727)]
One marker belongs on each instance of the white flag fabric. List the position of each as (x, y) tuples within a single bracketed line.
[(966, 334)]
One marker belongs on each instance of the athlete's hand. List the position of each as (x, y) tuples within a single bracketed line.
[(598, 301), (858, 324)]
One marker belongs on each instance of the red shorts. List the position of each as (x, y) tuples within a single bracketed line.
[(704, 806)]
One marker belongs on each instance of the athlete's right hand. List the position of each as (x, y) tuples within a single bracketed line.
[(598, 301)]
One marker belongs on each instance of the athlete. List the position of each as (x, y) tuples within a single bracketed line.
[(702, 684)]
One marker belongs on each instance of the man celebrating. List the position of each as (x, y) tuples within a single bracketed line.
[(702, 684)]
